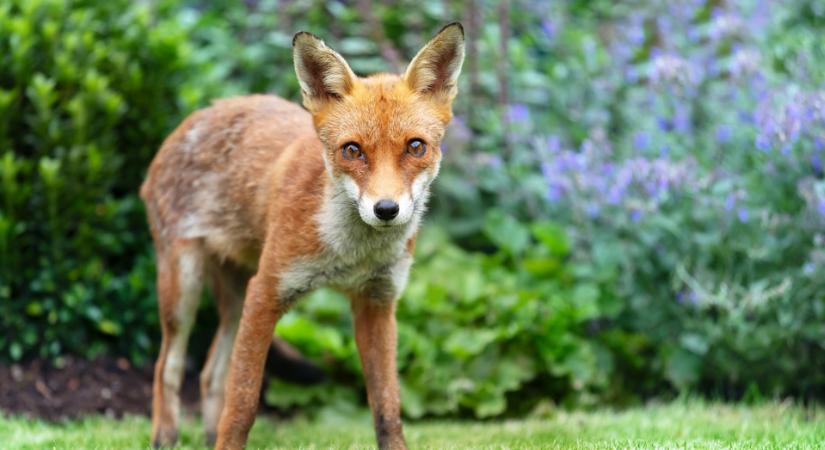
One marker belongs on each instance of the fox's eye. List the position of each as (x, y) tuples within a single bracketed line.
[(351, 151), (416, 147)]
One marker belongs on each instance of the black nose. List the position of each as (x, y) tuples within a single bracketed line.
[(386, 209)]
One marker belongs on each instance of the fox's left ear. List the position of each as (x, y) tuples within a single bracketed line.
[(434, 70)]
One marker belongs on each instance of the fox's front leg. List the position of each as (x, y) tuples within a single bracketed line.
[(376, 337), (262, 309)]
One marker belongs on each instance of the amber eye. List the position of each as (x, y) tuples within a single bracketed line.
[(416, 147), (351, 151)]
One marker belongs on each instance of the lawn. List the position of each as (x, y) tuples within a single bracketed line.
[(678, 425)]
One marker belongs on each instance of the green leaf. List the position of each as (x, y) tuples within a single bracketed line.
[(411, 401), (464, 343), (506, 232), (16, 351), (694, 342), (109, 327), (682, 368), (586, 301), (34, 309), (491, 405), (541, 266), (552, 236)]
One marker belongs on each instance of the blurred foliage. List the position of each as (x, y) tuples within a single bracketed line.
[(475, 328), (87, 92), (632, 201)]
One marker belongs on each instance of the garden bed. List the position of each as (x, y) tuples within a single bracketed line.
[(78, 387)]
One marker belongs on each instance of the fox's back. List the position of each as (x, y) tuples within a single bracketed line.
[(211, 177)]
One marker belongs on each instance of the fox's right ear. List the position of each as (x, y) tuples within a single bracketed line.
[(323, 74)]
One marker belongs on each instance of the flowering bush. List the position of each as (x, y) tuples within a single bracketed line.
[(699, 193)]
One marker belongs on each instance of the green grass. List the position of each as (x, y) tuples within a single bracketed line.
[(678, 425)]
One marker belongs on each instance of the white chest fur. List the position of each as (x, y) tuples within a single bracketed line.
[(356, 258)]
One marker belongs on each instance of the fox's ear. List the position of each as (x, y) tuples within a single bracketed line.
[(323, 74), (434, 70)]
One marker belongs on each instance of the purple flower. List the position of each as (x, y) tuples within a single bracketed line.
[(742, 215), (608, 169), (593, 210), (723, 134), (631, 74), (548, 28), (681, 120), (615, 195), (641, 140), (784, 117), (744, 62), (730, 202), (686, 297), (636, 32), (554, 193), (518, 113), (724, 25), (762, 142), (459, 120), (694, 35), (597, 181), (664, 123), (816, 163), (547, 170), (652, 188), (672, 69), (820, 207), (808, 268), (553, 144)]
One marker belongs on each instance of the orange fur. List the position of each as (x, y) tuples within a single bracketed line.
[(257, 193)]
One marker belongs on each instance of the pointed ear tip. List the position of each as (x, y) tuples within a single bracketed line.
[(453, 27), (304, 36)]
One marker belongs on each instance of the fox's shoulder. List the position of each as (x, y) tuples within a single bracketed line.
[(257, 102), (259, 110)]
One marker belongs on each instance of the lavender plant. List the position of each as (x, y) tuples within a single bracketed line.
[(702, 192)]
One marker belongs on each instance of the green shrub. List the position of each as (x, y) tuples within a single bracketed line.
[(87, 92), (476, 331)]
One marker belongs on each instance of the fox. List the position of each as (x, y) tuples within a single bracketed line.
[(265, 201)]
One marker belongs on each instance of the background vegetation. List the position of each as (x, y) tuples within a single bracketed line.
[(632, 202)]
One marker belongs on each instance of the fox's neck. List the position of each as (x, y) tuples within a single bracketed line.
[(343, 232)]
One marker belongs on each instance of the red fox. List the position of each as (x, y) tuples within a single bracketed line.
[(267, 201)]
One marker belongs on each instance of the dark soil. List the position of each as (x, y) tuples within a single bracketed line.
[(114, 387), (110, 386)]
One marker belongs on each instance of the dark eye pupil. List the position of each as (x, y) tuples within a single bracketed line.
[(352, 151), (416, 147)]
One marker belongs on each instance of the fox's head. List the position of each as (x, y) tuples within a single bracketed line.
[(381, 134)]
